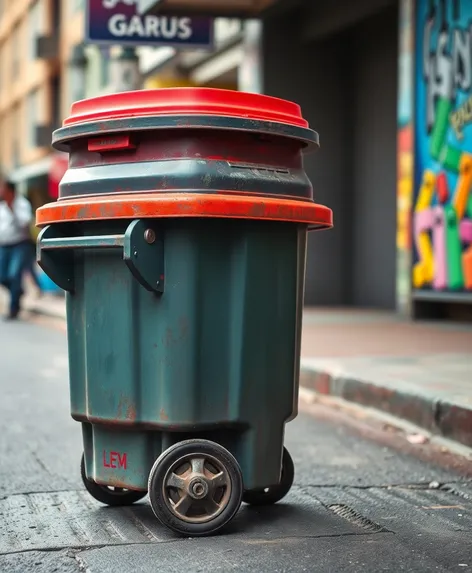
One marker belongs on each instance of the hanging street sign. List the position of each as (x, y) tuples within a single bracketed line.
[(122, 22)]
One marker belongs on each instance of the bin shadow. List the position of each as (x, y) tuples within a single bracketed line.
[(276, 518), (292, 518)]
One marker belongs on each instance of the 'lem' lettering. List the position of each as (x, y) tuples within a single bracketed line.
[(114, 460)]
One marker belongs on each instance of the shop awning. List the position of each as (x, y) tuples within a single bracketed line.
[(214, 8)]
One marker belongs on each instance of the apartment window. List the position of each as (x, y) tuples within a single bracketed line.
[(56, 7), (15, 122), (76, 73), (36, 21), (32, 117), (15, 53), (56, 102)]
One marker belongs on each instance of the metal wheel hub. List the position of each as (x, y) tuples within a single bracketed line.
[(197, 488)]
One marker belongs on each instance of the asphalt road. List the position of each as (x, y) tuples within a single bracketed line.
[(358, 504)]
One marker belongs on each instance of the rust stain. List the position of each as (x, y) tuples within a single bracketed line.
[(116, 482), (82, 212), (125, 407), (131, 413), (163, 415)]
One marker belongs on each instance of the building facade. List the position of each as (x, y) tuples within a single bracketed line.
[(45, 66), (36, 86), (28, 69)]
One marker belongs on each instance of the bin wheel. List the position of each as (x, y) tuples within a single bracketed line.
[(116, 496), (274, 493), (195, 487)]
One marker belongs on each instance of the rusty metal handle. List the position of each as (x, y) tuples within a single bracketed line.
[(143, 253), (92, 242)]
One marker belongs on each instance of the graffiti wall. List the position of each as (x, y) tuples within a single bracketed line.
[(405, 175), (442, 216)]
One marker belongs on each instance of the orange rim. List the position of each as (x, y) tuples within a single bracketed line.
[(169, 205)]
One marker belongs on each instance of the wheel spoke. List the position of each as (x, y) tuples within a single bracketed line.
[(219, 480), (210, 505), (198, 465), (176, 481), (183, 505)]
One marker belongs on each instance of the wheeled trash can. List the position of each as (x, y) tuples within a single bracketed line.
[(180, 238)]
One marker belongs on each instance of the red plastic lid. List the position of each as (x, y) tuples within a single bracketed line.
[(186, 101)]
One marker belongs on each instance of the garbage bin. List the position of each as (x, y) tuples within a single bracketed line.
[(180, 238)]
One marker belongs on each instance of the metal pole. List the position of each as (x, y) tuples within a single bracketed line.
[(250, 73), (124, 70)]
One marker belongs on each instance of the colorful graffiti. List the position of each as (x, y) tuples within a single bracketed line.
[(405, 175), (442, 218)]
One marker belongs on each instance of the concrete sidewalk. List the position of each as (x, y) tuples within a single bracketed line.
[(419, 372), (50, 305)]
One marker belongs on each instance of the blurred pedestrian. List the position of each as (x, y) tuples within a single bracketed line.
[(15, 243)]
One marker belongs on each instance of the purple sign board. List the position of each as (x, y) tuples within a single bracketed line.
[(119, 22)]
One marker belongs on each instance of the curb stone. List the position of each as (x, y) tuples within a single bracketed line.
[(446, 419)]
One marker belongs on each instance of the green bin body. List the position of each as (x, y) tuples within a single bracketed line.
[(180, 238)]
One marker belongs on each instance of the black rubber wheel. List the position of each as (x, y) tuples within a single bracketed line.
[(108, 495), (274, 493), (195, 487)]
